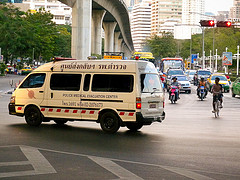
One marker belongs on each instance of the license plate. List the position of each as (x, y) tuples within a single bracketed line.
[(152, 105)]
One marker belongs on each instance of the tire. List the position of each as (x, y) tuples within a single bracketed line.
[(33, 116), (172, 99), (134, 126), (189, 92), (109, 122), (60, 122), (201, 96)]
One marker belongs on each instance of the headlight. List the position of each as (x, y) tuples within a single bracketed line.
[(12, 100)]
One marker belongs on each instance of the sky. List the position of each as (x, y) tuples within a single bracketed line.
[(218, 5)]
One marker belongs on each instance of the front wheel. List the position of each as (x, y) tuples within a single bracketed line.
[(109, 122), (33, 116), (134, 126)]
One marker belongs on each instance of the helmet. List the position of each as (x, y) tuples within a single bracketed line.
[(161, 74), (174, 77), (202, 78)]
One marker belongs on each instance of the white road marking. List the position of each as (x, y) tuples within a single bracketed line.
[(114, 168), (35, 158)]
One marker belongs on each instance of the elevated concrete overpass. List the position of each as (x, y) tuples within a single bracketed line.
[(88, 18)]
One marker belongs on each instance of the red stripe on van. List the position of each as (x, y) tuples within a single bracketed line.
[(50, 110), (121, 113), (66, 110), (43, 109), (83, 111), (130, 114), (58, 110), (19, 108), (75, 111), (91, 112)]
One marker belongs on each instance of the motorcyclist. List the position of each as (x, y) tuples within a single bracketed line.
[(163, 80), (175, 83), (202, 82)]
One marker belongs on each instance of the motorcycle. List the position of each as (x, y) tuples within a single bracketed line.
[(173, 91), (202, 93)]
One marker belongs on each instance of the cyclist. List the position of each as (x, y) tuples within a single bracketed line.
[(217, 93), (202, 82)]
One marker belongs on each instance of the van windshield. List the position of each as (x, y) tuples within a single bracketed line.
[(150, 83)]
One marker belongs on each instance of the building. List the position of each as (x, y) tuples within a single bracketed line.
[(235, 10), (162, 10), (141, 24), (192, 12), (62, 14)]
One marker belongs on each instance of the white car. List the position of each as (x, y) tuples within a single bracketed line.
[(185, 84)]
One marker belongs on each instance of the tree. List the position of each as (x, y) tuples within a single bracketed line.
[(164, 46)]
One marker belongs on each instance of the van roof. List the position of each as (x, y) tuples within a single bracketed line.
[(98, 66)]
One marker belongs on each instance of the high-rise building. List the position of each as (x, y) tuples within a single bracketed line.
[(235, 10), (62, 14), (162, 11), (141, 23), (192, 11)]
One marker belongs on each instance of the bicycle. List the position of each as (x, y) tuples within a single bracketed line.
[(217, 106), (217, 109)]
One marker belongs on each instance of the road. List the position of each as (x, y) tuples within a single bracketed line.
[(189, 144)]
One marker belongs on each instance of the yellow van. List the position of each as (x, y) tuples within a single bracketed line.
[(113, 93)]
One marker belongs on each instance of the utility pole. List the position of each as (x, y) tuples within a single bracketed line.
[(210, 58), (203, 54), (216, 61), (237, 60)]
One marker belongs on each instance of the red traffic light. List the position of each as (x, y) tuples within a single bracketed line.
[(224, 24), (207, 23)]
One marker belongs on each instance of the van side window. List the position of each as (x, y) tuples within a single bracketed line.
[(86, 82), (65, 82), (112, 83), (34, 81)]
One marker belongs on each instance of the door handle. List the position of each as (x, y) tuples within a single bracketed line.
[(51, 95), (40, 91)]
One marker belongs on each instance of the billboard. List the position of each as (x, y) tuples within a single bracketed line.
[(227, 59), (182, 32)]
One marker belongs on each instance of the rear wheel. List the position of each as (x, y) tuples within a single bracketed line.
[(33, 116), (109, 122), (60, 122), (134, 126)]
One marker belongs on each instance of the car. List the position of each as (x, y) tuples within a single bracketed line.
[(236, 87), (26, 70), (223, 81), (190, 75), (170, 73), (185, 84)]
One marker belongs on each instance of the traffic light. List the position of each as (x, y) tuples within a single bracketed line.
[(224, 24), (207, 23)]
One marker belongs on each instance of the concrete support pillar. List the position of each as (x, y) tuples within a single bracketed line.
[(127, 52), (109, 28), (97, 19), (81, 29), (116, 37), (120, 45)]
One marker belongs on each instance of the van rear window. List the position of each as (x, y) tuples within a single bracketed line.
[(150, 83), (112, 83), (65, 82)]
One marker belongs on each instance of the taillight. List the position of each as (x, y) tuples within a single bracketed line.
[(138, 103), (163, 104)]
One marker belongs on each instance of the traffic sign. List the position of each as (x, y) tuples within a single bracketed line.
[(194, 58), (227, 59)]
